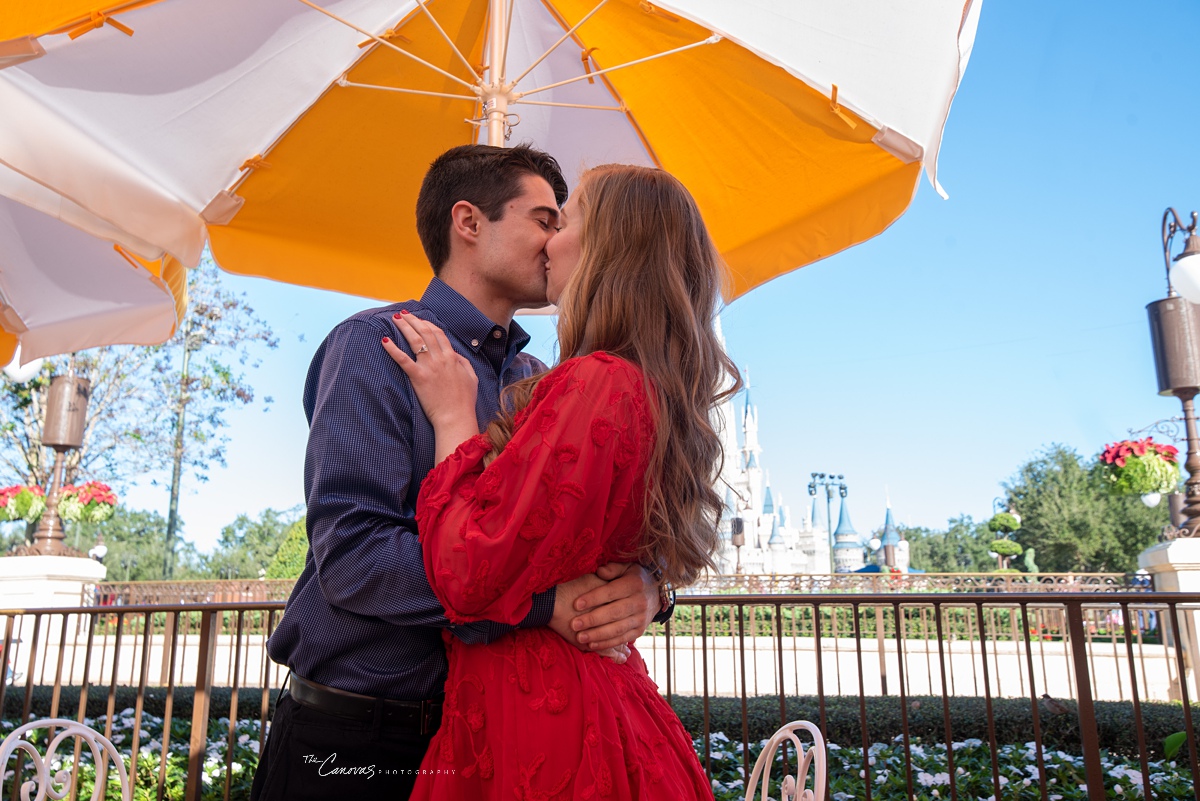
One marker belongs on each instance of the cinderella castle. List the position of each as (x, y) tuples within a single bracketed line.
[(759, 534)]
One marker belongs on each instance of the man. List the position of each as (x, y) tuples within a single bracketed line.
[(362, 632)]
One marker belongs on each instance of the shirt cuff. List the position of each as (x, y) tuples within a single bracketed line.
[(541, 611)]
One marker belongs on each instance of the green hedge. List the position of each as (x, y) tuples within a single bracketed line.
[(968, 716), (249, 702)]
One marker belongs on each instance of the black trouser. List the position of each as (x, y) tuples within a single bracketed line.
[(314, 755)]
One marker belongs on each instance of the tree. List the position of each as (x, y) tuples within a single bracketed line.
[(197, 379), (248, 546), (961, 548), (136, 541), (1073, 521), (289, 559)]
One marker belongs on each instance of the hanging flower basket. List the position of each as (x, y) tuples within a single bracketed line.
[(20, 502), (91, 503), (1140, 467)]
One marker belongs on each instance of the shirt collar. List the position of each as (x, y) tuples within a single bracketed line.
[(459, 316)]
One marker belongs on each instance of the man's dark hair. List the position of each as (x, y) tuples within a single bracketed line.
[(485, 176)]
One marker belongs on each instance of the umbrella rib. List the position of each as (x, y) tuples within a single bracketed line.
[(449, 41), (562, 39), (710, 40), (507, 35), (351, 84), (570, 105), (386, 43)]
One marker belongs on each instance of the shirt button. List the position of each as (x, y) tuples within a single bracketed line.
[(474, 343), (497, 334)]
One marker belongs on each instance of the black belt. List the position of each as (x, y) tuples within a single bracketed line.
[(420, 717)]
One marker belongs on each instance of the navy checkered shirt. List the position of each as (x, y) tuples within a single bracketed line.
[(362, 616)]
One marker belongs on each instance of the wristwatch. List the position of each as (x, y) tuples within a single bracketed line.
[(666, 597), (666, 593)]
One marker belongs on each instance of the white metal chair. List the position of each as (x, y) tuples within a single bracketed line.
[(793, 787), (102, 752)]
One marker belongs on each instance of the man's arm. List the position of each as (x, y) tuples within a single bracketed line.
[(359, 470)]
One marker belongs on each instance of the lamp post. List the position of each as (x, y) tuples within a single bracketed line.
[(1175, 335), (66, 416), (737, 536), (831, 483)]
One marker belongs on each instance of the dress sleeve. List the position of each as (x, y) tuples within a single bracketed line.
[(563, 496)]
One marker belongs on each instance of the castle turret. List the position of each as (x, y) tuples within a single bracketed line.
[(888, 540), (775, 542), (847, 547)]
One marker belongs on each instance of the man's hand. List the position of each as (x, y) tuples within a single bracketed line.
[(618, 610), (564, 613), (615, 617), (565, 596)]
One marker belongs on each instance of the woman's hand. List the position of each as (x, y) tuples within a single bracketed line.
[(445, 382)]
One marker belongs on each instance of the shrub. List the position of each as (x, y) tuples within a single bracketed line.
[(153, 703)]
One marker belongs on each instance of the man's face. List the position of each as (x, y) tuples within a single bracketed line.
[(512, 256)]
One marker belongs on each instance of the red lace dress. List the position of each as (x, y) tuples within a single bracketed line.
[(529, 716)]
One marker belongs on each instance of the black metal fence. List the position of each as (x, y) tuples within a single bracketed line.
[(1072, 650)]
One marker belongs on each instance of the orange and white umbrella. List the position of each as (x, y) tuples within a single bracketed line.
[(291, 135)]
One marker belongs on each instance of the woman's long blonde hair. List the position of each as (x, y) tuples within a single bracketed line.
[(646, 289)]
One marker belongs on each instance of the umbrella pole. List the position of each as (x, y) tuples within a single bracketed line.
[(495, 94)]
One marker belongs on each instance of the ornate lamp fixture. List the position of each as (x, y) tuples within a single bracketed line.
[(831, 483), (66, 415), (737, 537), (1175, 334)]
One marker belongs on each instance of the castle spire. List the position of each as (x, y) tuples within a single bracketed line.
[(750, 446)]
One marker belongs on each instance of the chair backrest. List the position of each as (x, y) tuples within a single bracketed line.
[(103, 751), (794, 788)]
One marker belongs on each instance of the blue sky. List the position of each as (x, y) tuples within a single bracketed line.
[(929, 362)]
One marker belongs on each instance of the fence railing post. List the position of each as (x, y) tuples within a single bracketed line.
[(168, 637), (205, 663), (1089, 734)]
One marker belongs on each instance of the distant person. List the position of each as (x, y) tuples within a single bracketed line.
[(609, 456), (362, 632)]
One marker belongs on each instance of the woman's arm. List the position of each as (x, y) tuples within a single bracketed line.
[(562, 498), (444, 382)]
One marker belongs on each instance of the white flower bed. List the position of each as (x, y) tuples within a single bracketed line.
[(1018, 769), (1017, 764)]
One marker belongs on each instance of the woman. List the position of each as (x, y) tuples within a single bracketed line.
[(610, 456)]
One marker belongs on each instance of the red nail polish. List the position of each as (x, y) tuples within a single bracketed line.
[(386, 340), (395, 316), (404, 311)]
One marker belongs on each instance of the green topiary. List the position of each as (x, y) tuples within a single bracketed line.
[(1030, 565), (288, 562), (1003, 522), (1006, 548)]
